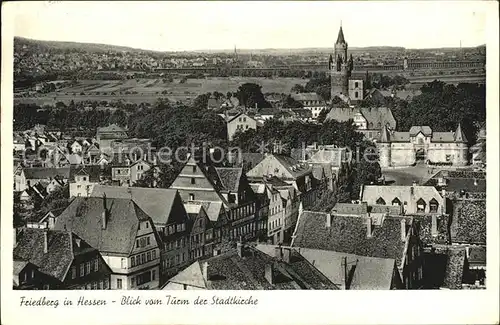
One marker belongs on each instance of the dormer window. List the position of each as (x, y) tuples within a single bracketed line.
[(421, 205), (396, 201), (433, 205), (380, 201)]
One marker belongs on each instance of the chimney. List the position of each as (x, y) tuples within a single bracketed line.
[(278, 252), (239, 248), (403, 229), (369, 227), (287, 255), (204, 270), (104, 214), (78, 242), (328, 220), (434, 231), (269, 273), (45, 241)]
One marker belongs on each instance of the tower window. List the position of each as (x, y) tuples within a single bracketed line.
[(356, 84), (356, 94)]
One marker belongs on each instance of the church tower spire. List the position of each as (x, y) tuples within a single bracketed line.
[(340, 69)]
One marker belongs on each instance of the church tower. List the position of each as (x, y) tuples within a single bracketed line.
[(340, 67)]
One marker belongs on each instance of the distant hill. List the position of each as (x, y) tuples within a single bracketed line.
[(93, 47), (87, 47)]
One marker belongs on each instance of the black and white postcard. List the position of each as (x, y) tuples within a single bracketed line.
[(269, 156)]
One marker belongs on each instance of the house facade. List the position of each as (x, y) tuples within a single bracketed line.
[(62, 259), (422, 144), (239, 123), (124, 235)]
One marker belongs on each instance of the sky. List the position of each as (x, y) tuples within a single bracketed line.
[(197, 25)]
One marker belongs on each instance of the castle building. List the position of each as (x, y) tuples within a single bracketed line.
[(422, 144), (340, 67)]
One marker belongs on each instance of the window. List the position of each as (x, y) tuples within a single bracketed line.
[(118, 283), (154, 254), (147, 224), (132, 281), (177, 259), (143, 258), (96, 265), (356, 85), (148, 256), (244, 119), (87, 267), (356, 95), (148, 241), (143, 278), (73, 272), (194, 169), (191, 196), (123, 263), (46, 287), (105, 284), (137, 241), (94, 285), (193, 180), (82, 269), (153, 275), (101, 285), (380, 201), (433, 205), (132, 261), (396, 201), (421, 205)]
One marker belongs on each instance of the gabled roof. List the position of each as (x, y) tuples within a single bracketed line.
[(84, 217), (426, 130), (158, 203), (455, 258), (60, 255), (229, 271), (111, 128), (376, 117), (230, 178), (232, 118), (46, 173), (93, 171), (404, 193), (306, 97), (348, 234), (292, 166)]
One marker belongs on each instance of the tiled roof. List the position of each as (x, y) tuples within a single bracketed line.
[(350, 208), (348, 234), (375, 115), (289, 163), (230, 177), (469, 221), (84, 217), (426, 130), (477, 255), (111, 128), (457, 181), (332, 156), (60, 255), (229, 271), (454, 267), (46, 173), (157, 203), (370, 273), (306, 96), (93, 171), (404, 193)]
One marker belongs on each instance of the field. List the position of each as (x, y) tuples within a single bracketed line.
[(148, 90)]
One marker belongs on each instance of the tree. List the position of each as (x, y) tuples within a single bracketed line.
[(201, 101), (322, 115), (250, 94), (297, 88), (292, 103)]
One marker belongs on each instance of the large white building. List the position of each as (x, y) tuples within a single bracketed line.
[(422, 144)]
